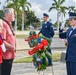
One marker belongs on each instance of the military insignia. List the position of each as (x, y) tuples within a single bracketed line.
[(45, 26), (74, 34), (51, 26)]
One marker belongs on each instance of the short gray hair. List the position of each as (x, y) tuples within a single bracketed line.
[(7, 10)]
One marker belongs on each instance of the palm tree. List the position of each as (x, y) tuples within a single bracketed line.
[(25, 6), (14, 4), (0, 2), (57, 5), (71, 8), (63, 12), (8, 1)]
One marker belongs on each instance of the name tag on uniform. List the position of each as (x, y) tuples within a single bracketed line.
[(45, 26), (74, 35)]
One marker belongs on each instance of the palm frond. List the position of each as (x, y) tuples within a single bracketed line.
[(24, 4), (29, 4), (55, 2), (63, 10), (75, 10), (62, 1), (58, 4), (26, 7), (64, 7), (51, 8), (10, 5), (7, 0), (71, 8)]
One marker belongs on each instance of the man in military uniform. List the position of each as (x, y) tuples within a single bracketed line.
[(47, 30), (70, 34)]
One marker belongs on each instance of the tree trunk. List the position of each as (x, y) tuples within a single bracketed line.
[(58, 20), (7, 1), (16, 23), (23, 21), (62, 17)]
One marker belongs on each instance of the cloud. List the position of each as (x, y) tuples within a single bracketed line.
[(70, 3), (74, 0), (2, 3), (37, 8), (41, 6)]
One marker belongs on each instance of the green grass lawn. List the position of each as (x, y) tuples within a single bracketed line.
[(24, 36), (21, 36), (56, 35), (56, 57)]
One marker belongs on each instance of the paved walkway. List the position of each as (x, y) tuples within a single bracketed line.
[(24, 53), (28, 69), (21, 44), (56, 44)]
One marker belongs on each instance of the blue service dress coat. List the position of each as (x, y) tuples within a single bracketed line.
[(71, 47), (71, 50), (48, 31)]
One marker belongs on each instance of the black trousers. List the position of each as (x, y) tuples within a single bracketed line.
[(71, 68), (50, 59), (6, 67), (0, 69)]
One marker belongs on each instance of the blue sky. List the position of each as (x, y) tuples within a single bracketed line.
[(41, 6)]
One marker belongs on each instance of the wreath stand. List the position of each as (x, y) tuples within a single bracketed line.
[(43, 72)]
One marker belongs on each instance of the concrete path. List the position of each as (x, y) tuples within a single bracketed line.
[(56, 44), (21, 44), (29, 69)]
